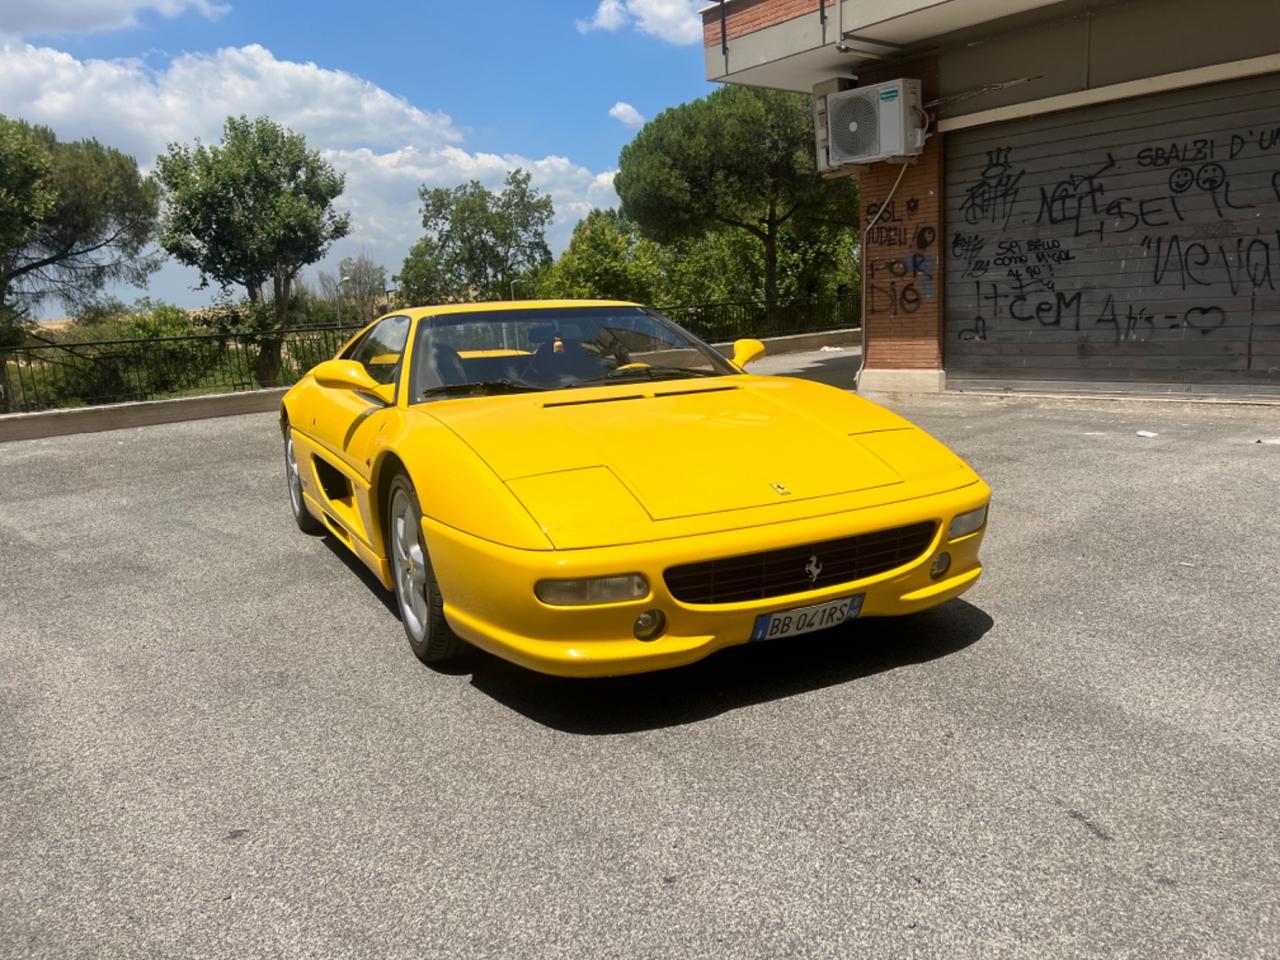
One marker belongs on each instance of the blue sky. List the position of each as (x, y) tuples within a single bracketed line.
[(395, 93)]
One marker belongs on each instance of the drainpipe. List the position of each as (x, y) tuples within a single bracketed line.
[(724, 38), (862, 256)]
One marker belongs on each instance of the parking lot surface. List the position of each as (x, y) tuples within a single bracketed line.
[(214, 741), (837, 366)]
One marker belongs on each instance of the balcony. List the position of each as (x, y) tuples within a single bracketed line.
[(796, 44)]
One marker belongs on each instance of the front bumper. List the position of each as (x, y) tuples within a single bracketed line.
[(489, 599)]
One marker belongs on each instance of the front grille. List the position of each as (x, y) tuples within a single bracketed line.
[(775, 573)]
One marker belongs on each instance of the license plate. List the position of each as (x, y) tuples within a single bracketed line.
[(820, 616)]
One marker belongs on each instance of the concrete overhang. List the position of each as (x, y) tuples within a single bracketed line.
[(798, 52)]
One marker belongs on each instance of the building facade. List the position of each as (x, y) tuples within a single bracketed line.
[(1097, 205)]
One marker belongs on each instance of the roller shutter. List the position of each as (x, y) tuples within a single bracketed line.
[(1131, 245)]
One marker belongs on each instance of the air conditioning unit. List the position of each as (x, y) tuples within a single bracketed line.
[(884, 121)]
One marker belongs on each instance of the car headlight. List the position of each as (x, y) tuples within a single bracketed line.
[(967, 523), (576, 593)]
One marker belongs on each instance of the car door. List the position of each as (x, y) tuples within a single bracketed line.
[(341, 426), (345, 421)]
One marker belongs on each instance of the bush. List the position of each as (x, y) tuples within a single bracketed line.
[(133, 355)]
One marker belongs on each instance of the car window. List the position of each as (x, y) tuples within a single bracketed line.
[(381, 350), (553, 348)]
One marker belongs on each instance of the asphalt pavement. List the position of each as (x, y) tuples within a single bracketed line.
[(215, 742), (834, 365)]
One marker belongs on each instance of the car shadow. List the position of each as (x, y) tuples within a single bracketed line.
[(354, 564), (732, 678), (736, 677)]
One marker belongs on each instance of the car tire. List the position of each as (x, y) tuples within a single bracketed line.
[(293, 477), (417, 591)]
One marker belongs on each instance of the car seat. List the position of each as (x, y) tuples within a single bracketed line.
[(559, 367), (445, 369)]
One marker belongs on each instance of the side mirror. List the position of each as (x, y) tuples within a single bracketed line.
[(746, 351), (345, 375)]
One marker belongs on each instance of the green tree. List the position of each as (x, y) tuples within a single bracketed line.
[(25, 199), (740, 159), (819, 264), (109, 318), (316, 305), (363, 285), (477, 241), (724, 266), (74, 217), (102, 318), (422, 276), (607, 258), (252, 211)]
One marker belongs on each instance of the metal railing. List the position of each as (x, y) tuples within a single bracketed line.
[(48, 376), (723, 322)]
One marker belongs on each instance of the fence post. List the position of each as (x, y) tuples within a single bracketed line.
[(6, 391)]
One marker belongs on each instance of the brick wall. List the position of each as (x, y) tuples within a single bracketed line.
[(748, 16), (902, 261)]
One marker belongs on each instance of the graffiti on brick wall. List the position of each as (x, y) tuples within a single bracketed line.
[(902, 259)]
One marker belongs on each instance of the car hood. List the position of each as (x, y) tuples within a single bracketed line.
[(631, 462)]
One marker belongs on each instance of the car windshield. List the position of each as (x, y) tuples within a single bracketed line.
[(553, 348)]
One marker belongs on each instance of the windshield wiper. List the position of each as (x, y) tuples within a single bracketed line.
[(479, 387), (645, 373)]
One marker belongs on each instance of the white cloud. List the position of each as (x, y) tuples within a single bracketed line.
[(675, 21), (626, 114), (610, 15), (382, 193), (387, 147), (86, 16), (140, 109)]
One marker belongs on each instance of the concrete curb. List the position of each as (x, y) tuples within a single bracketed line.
[(119, 416), (1190, 399), (802, 342)]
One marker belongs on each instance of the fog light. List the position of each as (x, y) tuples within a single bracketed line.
[(941, 564), (650, 624)]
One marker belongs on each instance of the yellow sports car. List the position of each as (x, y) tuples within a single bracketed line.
[(586, 489)]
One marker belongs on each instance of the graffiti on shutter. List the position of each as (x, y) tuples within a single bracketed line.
[(1132, 242)]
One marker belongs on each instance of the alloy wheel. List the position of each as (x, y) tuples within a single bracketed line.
[(410, 559), (295, 479)]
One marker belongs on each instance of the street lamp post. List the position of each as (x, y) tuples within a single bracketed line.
[(513, 286), (342, 281)]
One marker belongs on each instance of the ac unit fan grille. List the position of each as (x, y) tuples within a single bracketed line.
[(854, 127)]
